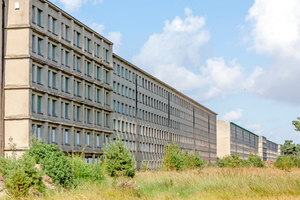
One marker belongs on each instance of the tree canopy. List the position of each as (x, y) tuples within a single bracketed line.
[(297, 124)]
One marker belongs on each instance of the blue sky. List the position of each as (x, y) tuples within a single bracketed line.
[(239, 58)]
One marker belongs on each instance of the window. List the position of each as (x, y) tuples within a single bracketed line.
[(33, 43), (39, 19), (39, 106), (98, 140), (66, 84), (106, 55), (66, 110), (78, 63), (98, 118), (118, 106), (88, 112), (67, 58), (53, 52), (114, 105), (33, 13), (38, 134), (88, 92), (88, 45), (40, 46), (88, 68), (98, 50), (122, 72), (106, 120), (33, 73), (78, 113), (53, 107), (114, 86), (98, 73), (106, 98), (78, 39), (126, 74), (118, 69), (53, 135), (66, 136), (106, 140), (53, 25), (118, 88), (33, 103), (98, 95), (114, 125), (67, 33), (88, 139), (78, 137), (78, 88), (106, 77), (53, 80)]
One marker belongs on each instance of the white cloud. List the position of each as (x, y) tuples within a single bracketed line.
[(276, 27), (233, 116), (275, 31), (174, 56), (115, 37), (75, 5)]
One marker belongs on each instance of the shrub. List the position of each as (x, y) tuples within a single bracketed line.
[(256, 160), (192, 161), (21, 176), (84, 171), (55, 163), (231, 161), (173, 159), (287, 162), (144, 166), (118, 160)]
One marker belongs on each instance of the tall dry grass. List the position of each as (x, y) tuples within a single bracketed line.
[(208, 183)]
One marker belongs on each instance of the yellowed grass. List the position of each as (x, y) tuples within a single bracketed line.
[(209, 183)]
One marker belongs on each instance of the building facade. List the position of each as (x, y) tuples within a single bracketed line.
[(64, 85), (234, 139)]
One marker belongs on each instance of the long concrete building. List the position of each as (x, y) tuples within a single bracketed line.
[(62, 83), (234, 139)]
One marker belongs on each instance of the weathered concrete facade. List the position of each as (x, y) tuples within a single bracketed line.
[(232, 138), (63, 83), (157, 105)]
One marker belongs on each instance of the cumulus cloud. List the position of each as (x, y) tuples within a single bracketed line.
[(174, 56), (275, 30), (115, 37), (75, 5), (233, 116)]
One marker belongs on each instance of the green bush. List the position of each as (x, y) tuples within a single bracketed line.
[(255, 160), (21, 176), (235, 161), (144, 166), (192, 161), (118, 160), (173, 159), (84, 171), (55, 163), (287, 162)]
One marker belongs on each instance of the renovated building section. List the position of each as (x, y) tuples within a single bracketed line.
[(64, 85), (234, 139), (58, 80), (163, 114)]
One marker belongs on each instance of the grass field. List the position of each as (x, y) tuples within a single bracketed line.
[(208, 183)]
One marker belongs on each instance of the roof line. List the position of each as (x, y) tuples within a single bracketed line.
[(163, 83), (244, 129)]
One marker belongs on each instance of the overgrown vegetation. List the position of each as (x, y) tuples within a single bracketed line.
[(287, 162), (235, 161), (175, 159), (118, 160)]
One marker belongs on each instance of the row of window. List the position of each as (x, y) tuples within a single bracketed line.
[(53, 27), (80, 138), (78, 86), (87, 114), (79, 64)]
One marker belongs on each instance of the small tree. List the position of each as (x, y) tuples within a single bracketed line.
[(118, 160), (288, 148), (297, 124), (192, 161), (173, 159)]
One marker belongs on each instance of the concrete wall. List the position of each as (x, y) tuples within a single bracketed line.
[(223, 138)]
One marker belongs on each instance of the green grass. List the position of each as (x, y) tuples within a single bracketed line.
[(208, 183)]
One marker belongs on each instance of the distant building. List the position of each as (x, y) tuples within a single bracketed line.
[(232, 138)]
